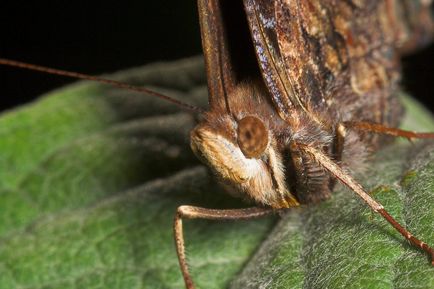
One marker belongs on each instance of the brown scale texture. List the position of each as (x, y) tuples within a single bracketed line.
[(323, 63)]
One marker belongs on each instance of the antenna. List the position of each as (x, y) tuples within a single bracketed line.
[(34, 67)]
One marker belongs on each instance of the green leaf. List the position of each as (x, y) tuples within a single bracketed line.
[(91, 177)]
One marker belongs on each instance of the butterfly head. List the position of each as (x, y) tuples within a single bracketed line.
[(242, 148)]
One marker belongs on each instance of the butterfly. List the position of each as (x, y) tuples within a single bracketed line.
[(300, 92)]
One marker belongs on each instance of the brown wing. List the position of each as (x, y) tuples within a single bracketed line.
[(263, 23), (325, 52), (414, 23)]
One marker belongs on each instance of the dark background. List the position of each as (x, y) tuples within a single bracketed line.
[(102, 36)]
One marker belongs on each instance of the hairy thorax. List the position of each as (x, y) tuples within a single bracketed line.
[(254, 151)]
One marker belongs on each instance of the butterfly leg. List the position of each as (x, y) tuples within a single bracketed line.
[(338, 146), (351, 183), (382, 129), (191, 212)]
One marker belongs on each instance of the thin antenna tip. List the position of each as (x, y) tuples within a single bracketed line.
[(34, 67)]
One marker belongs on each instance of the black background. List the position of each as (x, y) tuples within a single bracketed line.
[(102, 36)]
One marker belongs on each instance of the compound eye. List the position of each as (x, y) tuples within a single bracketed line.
[(252, 136)]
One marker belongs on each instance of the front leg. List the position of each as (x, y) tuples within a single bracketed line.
[(385, 130), (191, 212), (346, 179)]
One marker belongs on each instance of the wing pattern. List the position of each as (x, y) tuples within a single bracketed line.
[(329, 55)]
